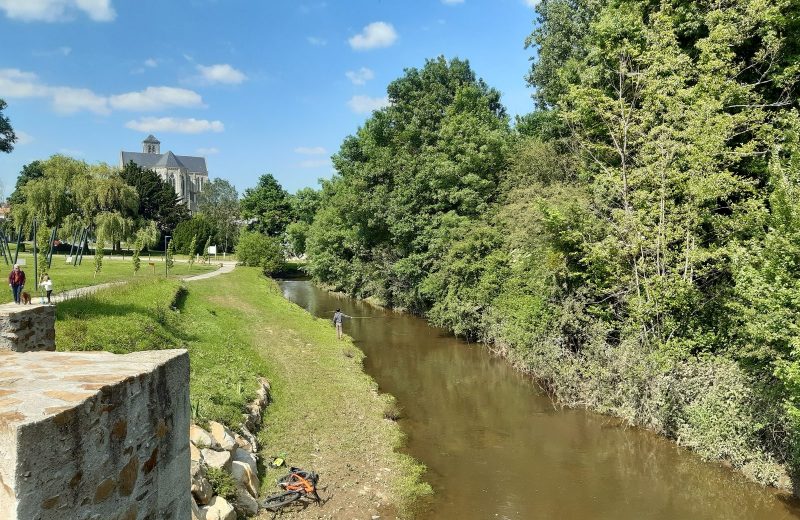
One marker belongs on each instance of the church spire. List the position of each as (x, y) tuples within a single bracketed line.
[(151, 145)]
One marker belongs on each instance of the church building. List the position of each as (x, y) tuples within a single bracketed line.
[(185, 173)]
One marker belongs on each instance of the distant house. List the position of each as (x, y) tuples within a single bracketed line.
[(186, 173), (5, 211)]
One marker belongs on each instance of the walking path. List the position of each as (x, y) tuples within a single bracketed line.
[(226, 267)]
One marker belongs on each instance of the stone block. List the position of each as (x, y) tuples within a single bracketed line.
[(27, 328), (93, 435)]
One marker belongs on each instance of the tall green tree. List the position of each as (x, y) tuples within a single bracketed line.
[(219, 202), (157, 199), (268, 204), (7, 135), (29, 172)]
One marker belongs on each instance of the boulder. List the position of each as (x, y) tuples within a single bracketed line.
[(217, 459), (241, 455), (197, 513), (194, 453), (219, 509), (245, 477), (222, 436), (243, 443), (201, 490), (246, 503), (200, 437)]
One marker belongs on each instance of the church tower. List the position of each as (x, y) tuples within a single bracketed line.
[(151, 145)]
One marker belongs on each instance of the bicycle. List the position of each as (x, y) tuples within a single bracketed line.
[(297, 484)]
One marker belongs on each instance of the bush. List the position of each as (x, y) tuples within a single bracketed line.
[(257, 250), (197, 228)]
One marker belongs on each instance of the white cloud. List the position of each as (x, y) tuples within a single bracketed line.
[(532, 3), (151, 62), (373, 36), (366, 104), (318, 42), (452, 2), (310, 150), (314, 163), (57, 10), (23, 138), (156, 98), (221, 73), (360, 76), (173, 124), (15, 83), (68, 100)]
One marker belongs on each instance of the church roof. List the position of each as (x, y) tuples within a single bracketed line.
[(151, 139), (150, 160), (168, 160)]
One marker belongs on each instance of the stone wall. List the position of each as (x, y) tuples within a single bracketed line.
[(25, 328), (94, 436)]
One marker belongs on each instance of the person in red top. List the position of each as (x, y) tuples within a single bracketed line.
[(16, 280)]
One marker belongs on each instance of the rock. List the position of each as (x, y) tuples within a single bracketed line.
[(241, 455), (245, 476), (217, 459), (246, 503), (201, 490), (200, 437), (222, 436), (219, 509), (243, 443), (197, 513), (194, 453)]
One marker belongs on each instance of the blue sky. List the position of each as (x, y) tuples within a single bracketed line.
[(255, 86)]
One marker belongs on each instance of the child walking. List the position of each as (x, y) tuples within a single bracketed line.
[(47, 285)]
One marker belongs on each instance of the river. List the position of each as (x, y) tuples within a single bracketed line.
[(496, 447)]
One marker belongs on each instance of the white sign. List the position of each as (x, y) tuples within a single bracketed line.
[(21, 261), (69, 259), (212, 250)]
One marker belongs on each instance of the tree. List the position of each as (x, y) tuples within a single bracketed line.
[(219, 202), (157, 199), (169, 255), (29, 172), (98, 256), (257, 250), (192, 251), (137, 263), (269, 204), (305, 203), (205, 250), (7, 135)]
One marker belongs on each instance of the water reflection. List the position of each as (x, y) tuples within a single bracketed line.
[(495, 447)]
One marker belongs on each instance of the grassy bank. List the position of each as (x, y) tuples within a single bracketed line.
[(327, 413)]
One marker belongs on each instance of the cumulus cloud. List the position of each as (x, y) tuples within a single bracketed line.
[(374, 36), (366, 104), (207, 151), (156, 98), (15, 83), (221, 73), (532, 3), (57, 10), (176, 125), (310, 150), (360, 76), (316, 41)]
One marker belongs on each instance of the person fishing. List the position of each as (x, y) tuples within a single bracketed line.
[(338, 318)]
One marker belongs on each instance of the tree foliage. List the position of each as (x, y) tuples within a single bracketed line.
[(269, 205), (7, 135), (219, 202)]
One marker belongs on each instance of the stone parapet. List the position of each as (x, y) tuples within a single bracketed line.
[(94, 436), (26, 328)]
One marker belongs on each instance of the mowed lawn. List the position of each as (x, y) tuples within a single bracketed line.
[(327, 415), (66, 276)]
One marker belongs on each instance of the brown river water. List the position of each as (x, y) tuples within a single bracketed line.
[(496, 447)]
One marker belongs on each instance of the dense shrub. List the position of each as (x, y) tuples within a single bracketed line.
[(197, 229), (257, 250)]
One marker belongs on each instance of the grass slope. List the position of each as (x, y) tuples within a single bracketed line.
[(327, 414)]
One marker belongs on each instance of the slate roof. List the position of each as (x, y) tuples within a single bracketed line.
[(151, 160), (152, 139), (168, 160)]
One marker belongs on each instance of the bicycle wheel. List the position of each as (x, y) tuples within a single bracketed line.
[(279, 500), (308, 475)]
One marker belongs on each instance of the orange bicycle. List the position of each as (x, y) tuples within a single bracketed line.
[(296, 485)]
